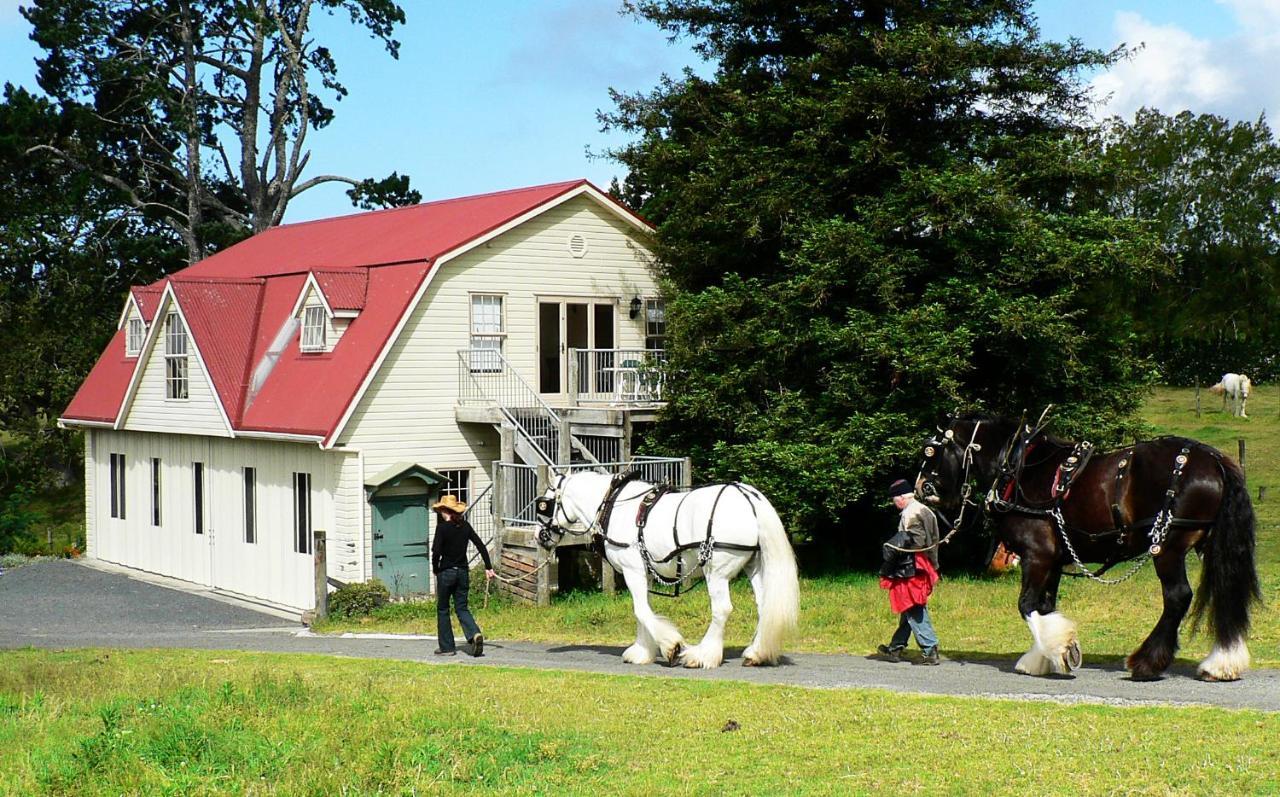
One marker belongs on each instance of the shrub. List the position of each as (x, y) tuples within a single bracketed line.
[(353, 600), (17, 520)]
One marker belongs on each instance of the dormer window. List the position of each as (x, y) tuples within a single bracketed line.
[(313, 329), (133, 341)]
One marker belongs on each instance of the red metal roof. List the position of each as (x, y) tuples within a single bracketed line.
[(238, 301), (148, 299), (398, 235), (99, 397), (344, 290)]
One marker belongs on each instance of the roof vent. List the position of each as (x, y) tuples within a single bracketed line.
[(577, 245)]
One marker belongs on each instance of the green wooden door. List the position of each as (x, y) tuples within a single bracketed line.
[(401, 554)]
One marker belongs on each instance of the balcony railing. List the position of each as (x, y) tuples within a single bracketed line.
[(616, 376), (518, 484)]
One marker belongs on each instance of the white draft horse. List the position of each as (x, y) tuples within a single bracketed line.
[(1234, 388), (722, 528)]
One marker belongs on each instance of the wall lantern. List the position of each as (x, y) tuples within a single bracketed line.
[(635, 307)]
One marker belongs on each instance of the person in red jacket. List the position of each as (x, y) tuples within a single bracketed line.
[(909, 572)]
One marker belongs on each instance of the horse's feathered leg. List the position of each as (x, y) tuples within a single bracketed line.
[(1055, 645), (667, 640), (1156, 652), (710, 651)]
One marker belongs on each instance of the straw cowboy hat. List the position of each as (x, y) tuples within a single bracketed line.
[(451, 503)]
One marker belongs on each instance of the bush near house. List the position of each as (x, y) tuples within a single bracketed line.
[(358, 600)]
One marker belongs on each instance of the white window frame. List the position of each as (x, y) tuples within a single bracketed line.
[(302, 513), (250, 475), (157, 516), (136, 333), (655, 323), (176, 371), (313, 329), (485, 333), (117, 486), (199, 487), (457, 484)]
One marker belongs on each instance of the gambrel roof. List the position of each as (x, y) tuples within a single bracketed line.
[(239, 302)]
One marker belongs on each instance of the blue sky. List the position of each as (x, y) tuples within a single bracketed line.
[(503, 93)]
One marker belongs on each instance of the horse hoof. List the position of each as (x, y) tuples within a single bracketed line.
[(674, 653), (1074, 657)]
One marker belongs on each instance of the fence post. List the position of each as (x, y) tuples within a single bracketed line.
[(687, 476), (1197, 399), (1240, 440), (1262, 493), (575, 377), (320, 556), (498, 491), (564, 445)]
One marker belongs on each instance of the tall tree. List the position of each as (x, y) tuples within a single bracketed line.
[(70, 246), (1210, 189), (206, 104), (875, 211)]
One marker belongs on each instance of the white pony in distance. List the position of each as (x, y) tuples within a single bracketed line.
[(1234, 388), (738, 519)]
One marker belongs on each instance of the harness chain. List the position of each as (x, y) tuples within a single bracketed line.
[(1159, 530)]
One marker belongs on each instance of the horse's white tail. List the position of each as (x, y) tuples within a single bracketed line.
[(780, 606)]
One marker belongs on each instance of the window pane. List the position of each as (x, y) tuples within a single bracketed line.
[(486, 314), (313, 329), (197, 470), (250, 505), (155, 491), (302, 512)]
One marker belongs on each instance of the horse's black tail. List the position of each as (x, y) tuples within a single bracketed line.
[(1229, 578)]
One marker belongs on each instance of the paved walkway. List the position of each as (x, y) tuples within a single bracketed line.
[(64, 605)]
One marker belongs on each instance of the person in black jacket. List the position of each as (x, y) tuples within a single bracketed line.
[(909, 572), (453, 579)]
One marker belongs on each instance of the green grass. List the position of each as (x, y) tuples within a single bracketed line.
[(975, 616), (201, 723)]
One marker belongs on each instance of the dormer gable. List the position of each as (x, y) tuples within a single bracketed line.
[(326, 305), (135, 327)]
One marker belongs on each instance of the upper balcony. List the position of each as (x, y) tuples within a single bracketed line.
[(618, 378)]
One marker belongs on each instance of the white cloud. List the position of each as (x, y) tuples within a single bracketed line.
[(1174, 70)]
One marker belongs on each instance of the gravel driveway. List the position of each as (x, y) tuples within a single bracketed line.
[(64, 605)]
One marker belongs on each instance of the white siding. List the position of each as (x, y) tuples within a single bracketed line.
[(151, 411), (347, 551), (90, 494), (267, 569), (408, 412)]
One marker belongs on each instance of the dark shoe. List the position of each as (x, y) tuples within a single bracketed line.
[(446, 652), (477, 645), (889, 654), (930, 658)]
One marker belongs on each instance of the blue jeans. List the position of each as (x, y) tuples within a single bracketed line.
[(915, 620), (453, 582)]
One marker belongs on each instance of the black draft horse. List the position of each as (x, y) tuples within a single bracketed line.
[(1055, 503)]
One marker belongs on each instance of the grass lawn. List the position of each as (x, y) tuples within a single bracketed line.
[(975, 616), (199, 723)]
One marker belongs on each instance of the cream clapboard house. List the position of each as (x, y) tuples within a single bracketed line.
[(340, 374)]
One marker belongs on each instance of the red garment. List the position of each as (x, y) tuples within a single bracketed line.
[(907, 592)]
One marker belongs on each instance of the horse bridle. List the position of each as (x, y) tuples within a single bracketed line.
[(545, 510), (932, 448)]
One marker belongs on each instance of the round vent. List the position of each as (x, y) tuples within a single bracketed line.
[(577, 245)]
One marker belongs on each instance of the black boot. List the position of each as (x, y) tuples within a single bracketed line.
[(888, 653), (930, 658)]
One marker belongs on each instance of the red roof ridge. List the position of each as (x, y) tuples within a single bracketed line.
[(212, 280), (381, 211)]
